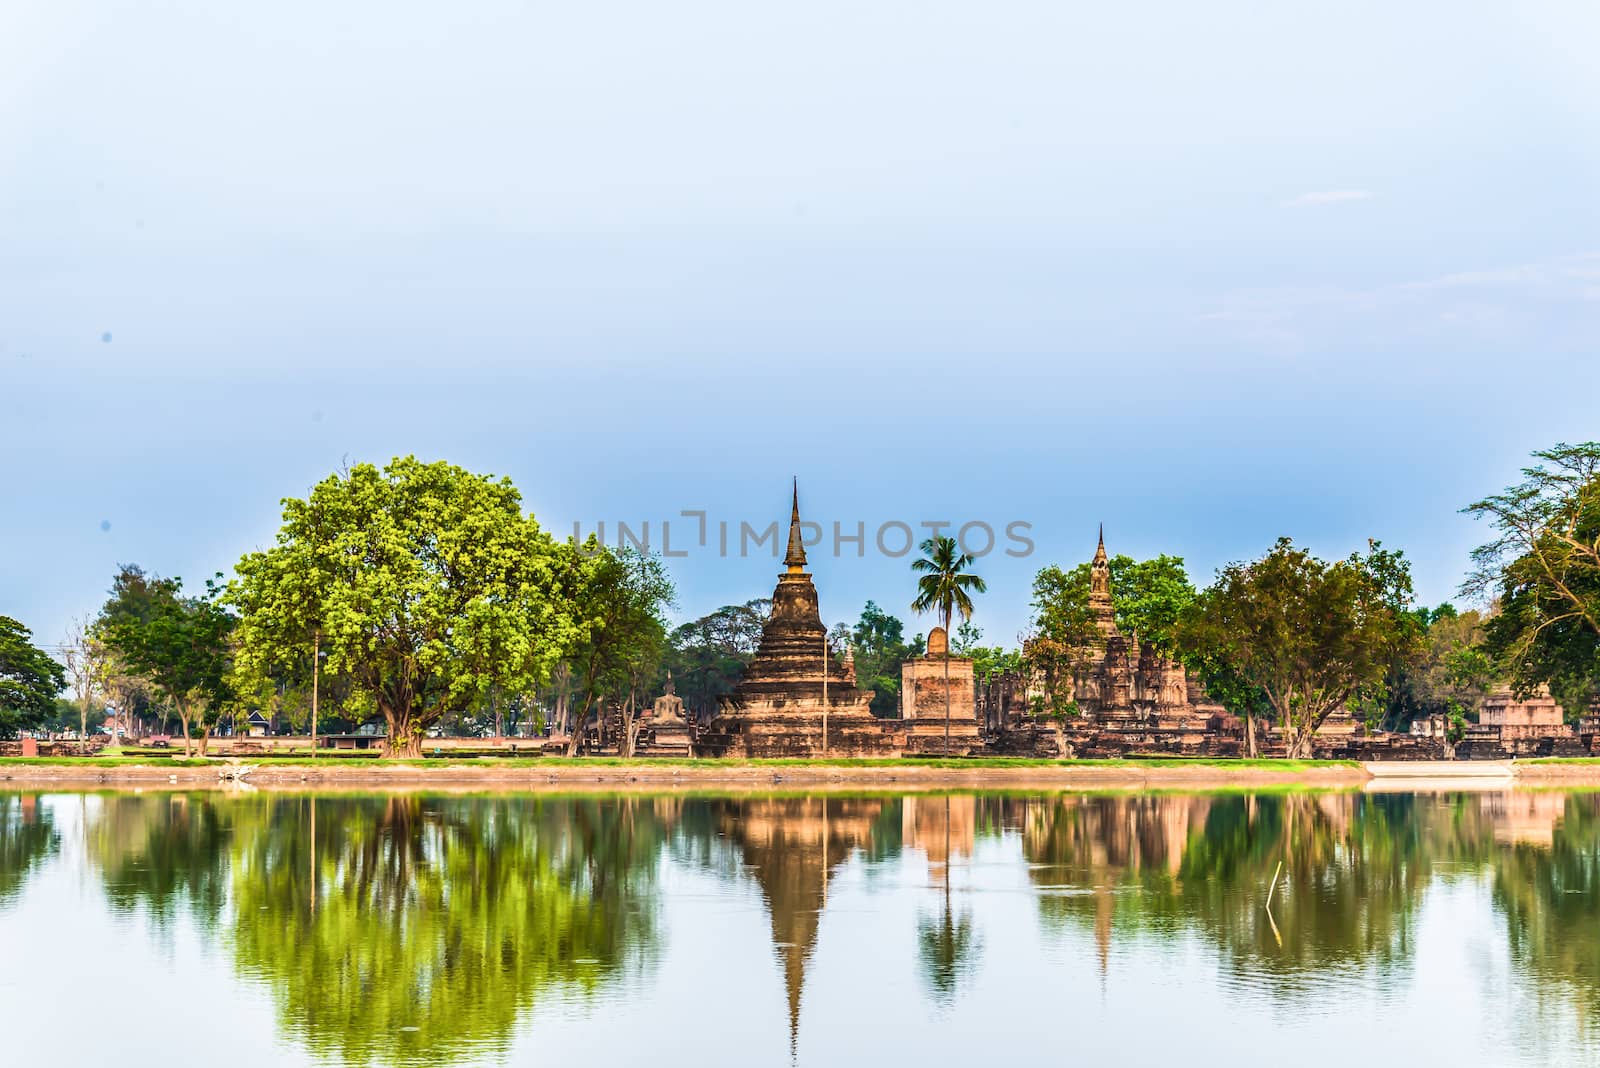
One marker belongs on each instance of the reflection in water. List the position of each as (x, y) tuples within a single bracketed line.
[(1350, 871), (1551, 900), (397, 928), (947, 942), (412, 929), (27, 837), (790, 847)]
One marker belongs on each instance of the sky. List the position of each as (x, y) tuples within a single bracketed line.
[(1207, 274)]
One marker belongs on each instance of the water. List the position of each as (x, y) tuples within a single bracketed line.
[(272, 929)]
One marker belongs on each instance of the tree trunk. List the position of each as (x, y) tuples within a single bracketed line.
[(947, 701), (407, 748), (404, 741), (1250, 749), (183, 719), (947, 687), (404, 738), (205, 738), (625, 743), (579, 725)]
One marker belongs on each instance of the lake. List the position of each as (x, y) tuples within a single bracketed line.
[(285, 929)]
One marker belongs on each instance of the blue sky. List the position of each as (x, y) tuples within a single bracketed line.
[(1209, 273)]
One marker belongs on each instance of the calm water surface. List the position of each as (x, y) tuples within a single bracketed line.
[(253, 929)]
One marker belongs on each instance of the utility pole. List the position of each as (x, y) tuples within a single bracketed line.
[(316, 659)]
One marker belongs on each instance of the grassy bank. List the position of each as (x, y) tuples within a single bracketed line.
[(337, 764)]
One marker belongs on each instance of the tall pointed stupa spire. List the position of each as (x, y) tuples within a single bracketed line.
[(1100, 603), (795, 559)]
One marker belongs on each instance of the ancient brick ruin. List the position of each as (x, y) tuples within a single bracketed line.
[(1130, 699), (797, 699)]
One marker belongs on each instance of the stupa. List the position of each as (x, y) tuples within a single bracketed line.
[(796, 698), (932, 684)]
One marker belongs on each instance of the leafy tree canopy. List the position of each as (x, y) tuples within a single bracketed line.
[(1151, 597), (946, 584), (1312, 636), (707, 656), (1543, 568), (880, 647), (29, 680), (181, 645), (427, 584), (618, 597)]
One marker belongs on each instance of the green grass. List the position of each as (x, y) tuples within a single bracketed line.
[(904, 764)]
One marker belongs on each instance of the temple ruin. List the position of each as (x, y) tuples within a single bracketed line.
[(1129, 698), (797, 699)]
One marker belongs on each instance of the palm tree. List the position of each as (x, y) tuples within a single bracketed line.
[(943, 588)]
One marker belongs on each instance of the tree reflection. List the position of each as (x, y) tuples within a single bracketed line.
[(1350, 872), (421, 929), (163, 852), (1550, 896), (27, 838), (947, 942), (402, 928)]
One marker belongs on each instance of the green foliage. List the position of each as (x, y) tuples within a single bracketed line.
[(989, 661), (1543, 567), (1061, 603), (880, 648), (28, 837), (1311, 635), (394, 930), (1151, 598), (707, 656), (63, 718), (1454, 672), (29, 680), (426, 583), (946, 586), (966, 638), (181, 645), (617, 600)]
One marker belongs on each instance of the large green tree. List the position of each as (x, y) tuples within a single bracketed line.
[(1312, 636), (1543, 567), (945, 588), (29, 680), (181, 645), (281, 652), (618, 598), (426, 585)]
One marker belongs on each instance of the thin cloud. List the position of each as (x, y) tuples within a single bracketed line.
[(1328, 196), (1546, 298)]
